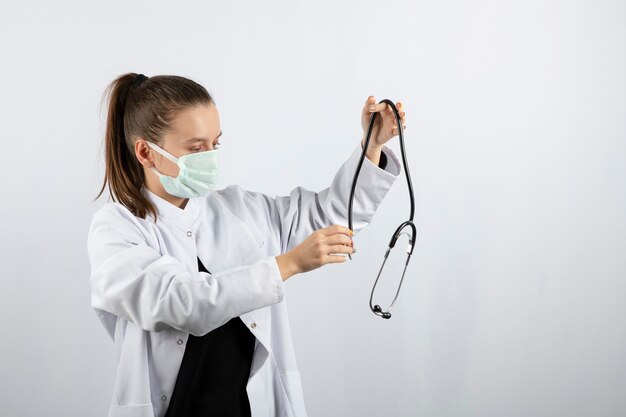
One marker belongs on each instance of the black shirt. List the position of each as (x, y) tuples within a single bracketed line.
[(214, 372), (382, 163)]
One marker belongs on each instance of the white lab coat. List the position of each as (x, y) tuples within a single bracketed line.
[(149, 295)]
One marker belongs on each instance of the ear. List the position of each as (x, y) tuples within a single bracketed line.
[(143, 153)]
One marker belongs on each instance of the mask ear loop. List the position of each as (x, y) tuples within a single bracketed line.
[(163, 152), (376, 308)]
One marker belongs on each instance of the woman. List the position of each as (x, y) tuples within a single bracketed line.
[(188, 279)]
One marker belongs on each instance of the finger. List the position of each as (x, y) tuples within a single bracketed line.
[(400, 109), (334, 259), (395, 131), (338, 239), (378, 107), (393, 120), (337, 228), (341, 249)]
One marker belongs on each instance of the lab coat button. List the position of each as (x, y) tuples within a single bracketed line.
[(179, 341), (164, 397), (189, 233), (253, 325)]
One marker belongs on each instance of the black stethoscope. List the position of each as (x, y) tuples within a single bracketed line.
[(412, 231)]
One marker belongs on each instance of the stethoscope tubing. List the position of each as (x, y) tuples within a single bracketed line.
[(376, 309)]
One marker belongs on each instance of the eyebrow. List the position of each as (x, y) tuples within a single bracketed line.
[(195, 139)]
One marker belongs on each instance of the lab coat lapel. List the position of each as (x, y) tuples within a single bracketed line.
[(184, 219)]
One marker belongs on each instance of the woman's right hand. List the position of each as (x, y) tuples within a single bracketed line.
[(316, 250)]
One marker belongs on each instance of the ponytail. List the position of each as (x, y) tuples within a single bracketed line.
[(141, 109)]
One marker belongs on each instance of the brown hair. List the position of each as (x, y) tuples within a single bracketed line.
[(145, 110)]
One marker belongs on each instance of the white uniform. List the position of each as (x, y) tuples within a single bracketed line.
[(149, 295)]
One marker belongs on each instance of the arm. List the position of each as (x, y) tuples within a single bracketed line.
[(290, 219), (132, 280), (305, 211), (376, 155)]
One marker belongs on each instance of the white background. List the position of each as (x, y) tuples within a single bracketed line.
[(515, 300)]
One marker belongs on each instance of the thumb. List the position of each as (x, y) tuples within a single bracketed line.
[(372, 106), (367, 108)]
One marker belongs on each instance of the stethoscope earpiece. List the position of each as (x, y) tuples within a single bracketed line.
[(379, 312)]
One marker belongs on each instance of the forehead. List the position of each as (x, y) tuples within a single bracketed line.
[(200, 121)]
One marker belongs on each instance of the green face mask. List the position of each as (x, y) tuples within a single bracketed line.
[(197, 176)]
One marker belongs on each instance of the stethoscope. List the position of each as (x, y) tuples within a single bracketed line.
[(412, 231)]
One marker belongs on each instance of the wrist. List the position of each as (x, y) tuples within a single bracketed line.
[(373, 152), (287, 266)]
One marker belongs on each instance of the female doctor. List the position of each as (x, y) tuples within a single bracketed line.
[(188, 280)]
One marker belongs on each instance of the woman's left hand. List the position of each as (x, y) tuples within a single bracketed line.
[(385, 126)]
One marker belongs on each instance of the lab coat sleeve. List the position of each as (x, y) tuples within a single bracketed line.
[(132, 280), (294, 217)]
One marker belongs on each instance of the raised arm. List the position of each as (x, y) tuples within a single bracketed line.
[(291, 219)]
